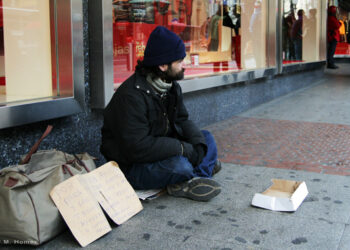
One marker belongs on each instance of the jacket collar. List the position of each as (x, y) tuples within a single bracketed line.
[(141, 84)]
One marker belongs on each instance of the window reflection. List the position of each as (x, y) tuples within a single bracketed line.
[(301, 29), (220, 36), (28, 69), (343, 46)]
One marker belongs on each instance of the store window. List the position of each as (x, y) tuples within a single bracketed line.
[(302, 31), (41, 60), (35, 59), (220, 36)]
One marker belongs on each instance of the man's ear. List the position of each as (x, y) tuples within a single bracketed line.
[(163, 67)]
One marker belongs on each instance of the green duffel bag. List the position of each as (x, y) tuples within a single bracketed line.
[(27, 213)]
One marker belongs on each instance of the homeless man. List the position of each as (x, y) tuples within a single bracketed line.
[(146, 128)]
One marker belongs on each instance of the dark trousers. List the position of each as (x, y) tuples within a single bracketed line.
[(298, 49), (331, 46), (173, 170)]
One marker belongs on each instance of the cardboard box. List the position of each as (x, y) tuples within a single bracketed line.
[(283, 195)]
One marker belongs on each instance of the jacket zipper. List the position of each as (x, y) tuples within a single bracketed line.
[(167, 123)]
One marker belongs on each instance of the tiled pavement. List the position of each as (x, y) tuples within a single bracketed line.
[(308, 130), (317, 147), (302, 136)]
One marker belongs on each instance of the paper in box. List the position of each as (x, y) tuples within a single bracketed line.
[(283, 195)]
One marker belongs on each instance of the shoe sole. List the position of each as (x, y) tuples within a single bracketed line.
[(199, 189)]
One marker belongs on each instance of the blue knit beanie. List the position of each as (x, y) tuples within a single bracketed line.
[(163, 47)]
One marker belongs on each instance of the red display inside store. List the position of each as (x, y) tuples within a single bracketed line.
[(343, 49), (2, 78), (133, 23)]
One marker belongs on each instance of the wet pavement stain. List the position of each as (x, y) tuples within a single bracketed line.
[(161, 207), (196, 222), (210, 213), (328, 221), (311, 199), (240, 239), (146, 236), (316, 180), (120, 239), (256, 242), (264, 232), (171, 223), (229, 178), (299, 240), (186, 238)]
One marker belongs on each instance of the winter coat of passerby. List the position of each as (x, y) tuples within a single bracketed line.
[(333, 36), (297, 35)]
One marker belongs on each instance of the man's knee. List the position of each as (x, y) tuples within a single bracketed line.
[(160, 174), (179, 165), (207, 135)]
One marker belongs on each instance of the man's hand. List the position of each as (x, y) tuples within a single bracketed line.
[(190, 153), (200, 152), (194, 153)]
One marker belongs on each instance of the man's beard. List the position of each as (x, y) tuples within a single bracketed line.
[(170, 75)]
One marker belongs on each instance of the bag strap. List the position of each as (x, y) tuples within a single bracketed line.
[(64, 168), (80, 162), (36, 145)]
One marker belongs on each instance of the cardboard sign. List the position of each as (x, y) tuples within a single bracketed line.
[(80, 211), (114, 193), (78, 200)]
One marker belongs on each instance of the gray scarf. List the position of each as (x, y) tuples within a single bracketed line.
[(158, 84)]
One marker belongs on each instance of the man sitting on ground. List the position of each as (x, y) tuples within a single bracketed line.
[(146, 128)]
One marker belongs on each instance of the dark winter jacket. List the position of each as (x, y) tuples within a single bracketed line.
[(297, 29), (137, 124)]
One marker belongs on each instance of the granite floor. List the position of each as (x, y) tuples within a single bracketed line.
[(302, 136)]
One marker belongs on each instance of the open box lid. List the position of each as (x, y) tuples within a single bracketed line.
[(283, 195)]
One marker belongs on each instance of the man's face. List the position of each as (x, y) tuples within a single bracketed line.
[(175, 71)]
